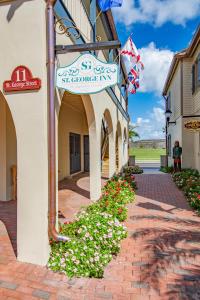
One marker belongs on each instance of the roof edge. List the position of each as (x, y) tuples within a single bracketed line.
[(186, 53)]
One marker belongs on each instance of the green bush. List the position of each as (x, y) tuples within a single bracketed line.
[(167, 169), (95, 235), (132, 170), (189, 181)]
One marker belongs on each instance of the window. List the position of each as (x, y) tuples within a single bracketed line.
[(198, 70), (193, 79), (196, 75), (169, 145)]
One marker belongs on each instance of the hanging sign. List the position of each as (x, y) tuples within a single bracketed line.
[(87, 75), (21, 80), (192, 125)]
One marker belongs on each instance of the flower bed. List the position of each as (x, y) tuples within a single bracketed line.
[(95, 235), (189, 181)]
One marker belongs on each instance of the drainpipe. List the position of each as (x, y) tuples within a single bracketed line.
[(51, 126)]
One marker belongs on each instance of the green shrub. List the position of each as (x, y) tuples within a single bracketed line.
[(95, 235), (132, 170), (189, 181), (167, 169)]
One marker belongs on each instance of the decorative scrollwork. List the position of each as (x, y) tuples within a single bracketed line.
[(69, 31), (192, 125)]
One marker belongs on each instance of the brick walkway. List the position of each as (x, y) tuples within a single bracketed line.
[(159, 260)]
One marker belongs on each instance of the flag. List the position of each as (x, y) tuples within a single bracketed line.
[(133, 65), (132, 76), (132, 89), (107, 4), (131, 53)]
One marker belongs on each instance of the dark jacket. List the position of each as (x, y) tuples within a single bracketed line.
[(177, 152)]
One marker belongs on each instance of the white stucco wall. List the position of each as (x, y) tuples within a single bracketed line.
[(25, 44)]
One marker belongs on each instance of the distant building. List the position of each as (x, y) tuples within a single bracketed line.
[(159, 143), (182, 94)]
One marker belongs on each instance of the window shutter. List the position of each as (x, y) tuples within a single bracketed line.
[(193, 79), (198, 70)]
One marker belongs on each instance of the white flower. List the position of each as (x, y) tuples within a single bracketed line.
[(96, 258), (73, 258), (77, 262), (87, 234)]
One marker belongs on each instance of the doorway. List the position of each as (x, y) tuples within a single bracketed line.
[(75, 153), (86, 153)]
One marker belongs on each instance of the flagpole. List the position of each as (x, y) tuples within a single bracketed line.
[(98, 15)]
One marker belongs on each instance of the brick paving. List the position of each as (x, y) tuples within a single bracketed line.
[(160, 259)]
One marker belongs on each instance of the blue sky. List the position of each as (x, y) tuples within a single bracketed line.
[(160, 28)]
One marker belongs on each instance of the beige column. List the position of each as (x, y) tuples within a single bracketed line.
[(32, 192), (3, 150), (95, 163)]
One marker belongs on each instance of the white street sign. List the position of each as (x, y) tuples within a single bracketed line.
[(87, 75)]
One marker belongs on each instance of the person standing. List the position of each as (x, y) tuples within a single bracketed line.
[(177, 152)]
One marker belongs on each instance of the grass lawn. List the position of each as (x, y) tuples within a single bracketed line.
[(147, 154)]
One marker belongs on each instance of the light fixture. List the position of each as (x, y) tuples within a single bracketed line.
[(168, 114)]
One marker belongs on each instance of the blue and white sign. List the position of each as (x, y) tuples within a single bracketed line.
[(87, 75)]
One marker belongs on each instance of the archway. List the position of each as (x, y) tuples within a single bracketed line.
[(118, 148), (8, 172), (106, 144), (76, 143)]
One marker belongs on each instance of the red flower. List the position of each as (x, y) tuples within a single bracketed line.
[(198, 197), (67, 222), (120, 210)]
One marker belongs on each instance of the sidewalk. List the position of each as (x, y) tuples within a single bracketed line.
[(160, 259)]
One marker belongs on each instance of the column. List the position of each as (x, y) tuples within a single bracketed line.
[(95, 163), (3, 150)]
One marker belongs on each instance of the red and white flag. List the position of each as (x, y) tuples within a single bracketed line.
[(133, 64), (131, 53)]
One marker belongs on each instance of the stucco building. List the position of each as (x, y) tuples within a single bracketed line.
[(91, 130), (182, 95)]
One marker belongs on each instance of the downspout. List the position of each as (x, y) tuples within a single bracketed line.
[(51, 119)]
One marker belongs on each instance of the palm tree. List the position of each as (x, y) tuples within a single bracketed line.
[(132, 133)]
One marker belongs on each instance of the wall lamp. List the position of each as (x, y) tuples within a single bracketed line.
[(168, 114)]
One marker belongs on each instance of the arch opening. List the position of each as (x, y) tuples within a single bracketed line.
[(106, 140), (8, 172), (76, 129), (118, 147)]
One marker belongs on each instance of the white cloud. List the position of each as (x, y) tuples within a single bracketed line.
[(151, 127), (157, 12), (156, 65)]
